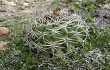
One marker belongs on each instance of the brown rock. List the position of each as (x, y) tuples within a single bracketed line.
[(4, 30)]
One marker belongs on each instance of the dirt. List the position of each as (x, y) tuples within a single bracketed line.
[(12, 8)]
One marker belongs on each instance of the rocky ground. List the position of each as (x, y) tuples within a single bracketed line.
[(12, 8), (18, 7)]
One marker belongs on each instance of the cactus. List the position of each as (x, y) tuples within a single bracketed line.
[(58, 37)]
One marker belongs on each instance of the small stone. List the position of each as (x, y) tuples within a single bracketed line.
[(106, 6), (29, 1), (12, 3), (2, 45), (5, 2), (26, 4), (4, 30), (27, 11)]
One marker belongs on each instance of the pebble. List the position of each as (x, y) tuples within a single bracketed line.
[(26, 4), (5, 2), (2, 45), (27, 11), (12, 3), (29, 1), (106, 6), (4, 30)]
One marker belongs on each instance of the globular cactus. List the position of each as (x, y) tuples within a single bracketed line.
[(58, 37)]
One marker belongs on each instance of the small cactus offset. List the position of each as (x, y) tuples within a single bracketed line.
[(58, 37)]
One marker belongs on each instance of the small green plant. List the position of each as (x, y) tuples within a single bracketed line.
[(99, 37)]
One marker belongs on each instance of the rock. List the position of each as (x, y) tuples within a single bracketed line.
[(26, 4), (29, 1), (12, 3), (5, 2), (2, 45), (27, 11), (106, 6), (4, 30)]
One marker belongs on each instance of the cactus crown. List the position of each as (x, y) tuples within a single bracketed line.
[(59, 36)]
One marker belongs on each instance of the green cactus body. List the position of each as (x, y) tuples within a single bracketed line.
[(59, 37)]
